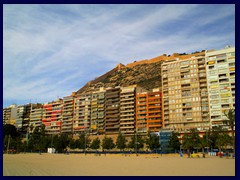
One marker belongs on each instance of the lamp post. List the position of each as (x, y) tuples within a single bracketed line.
[(85, 143)]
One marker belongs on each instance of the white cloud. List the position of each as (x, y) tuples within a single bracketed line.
[(50, 48)]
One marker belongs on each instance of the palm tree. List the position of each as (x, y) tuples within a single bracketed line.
[(231, 123)]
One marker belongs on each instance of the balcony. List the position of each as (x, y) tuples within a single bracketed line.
[(123, 111), (126, 125), (114, 126), (127, 131), (109, 112), (112, 95), (127, 119), (116, 119)]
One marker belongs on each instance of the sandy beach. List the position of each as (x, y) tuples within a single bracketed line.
[(114, 165)]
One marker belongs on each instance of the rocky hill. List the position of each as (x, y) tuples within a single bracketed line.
[(145, 73)]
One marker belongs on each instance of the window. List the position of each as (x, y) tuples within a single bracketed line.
[(214, 96), (210, 67), (221, 61), (232, 64)]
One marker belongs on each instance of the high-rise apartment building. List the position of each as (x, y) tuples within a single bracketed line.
[(67, 114), (141, 112), (23, 117), (6, 115), (185, 100), (10, 114), (98, 112), (35, 116), (127, 110), (149, 111), (52, 116), (221, 83), (112, 110), (82, 113), (19, 119), (154, 104)]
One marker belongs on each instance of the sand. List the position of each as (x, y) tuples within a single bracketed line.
[(115, 165)]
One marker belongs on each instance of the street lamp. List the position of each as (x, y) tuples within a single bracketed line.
[(85, 144)]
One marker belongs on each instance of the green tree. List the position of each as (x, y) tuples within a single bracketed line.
[(207, 139), (107, 143), (95, 143), (191, 140), (187, 143), (231, 123), (14, 142), (9, 129), (38, 140), (223, 140), (203, 143), (72, 144), (121, 142), (83, 142), (11, 138), (34, 139), (61, 142), (213, 136), (137, 142), (174, 141), (152, 141)]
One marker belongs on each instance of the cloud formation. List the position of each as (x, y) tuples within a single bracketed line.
[(50, 51)]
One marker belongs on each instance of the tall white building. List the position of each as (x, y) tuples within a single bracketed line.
[(220, 70)]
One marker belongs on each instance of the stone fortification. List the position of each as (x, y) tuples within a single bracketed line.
[(163, 58)]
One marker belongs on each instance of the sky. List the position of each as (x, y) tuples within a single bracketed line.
[(50, 51)]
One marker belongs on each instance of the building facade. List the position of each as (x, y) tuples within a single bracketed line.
[(112, 110), (52, 116), (23, 117), (35, 116), (10, 115), (82, 113), (19, 118), (154, 104), (185, 98), (149, 111), (221, 83), (127, 110), (67, 114), (98, 112)]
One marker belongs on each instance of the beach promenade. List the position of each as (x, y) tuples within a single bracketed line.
[(115, 165)]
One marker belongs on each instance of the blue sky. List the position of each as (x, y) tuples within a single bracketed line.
[(50, 51)]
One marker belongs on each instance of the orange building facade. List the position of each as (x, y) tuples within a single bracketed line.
[(149, 111)]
